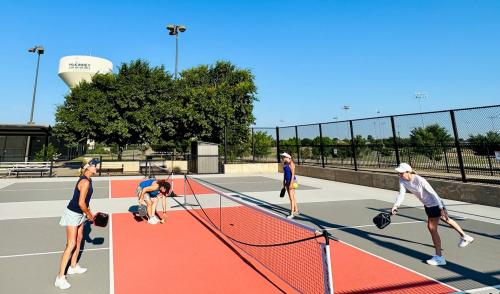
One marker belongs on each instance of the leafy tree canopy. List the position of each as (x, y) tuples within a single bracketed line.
[(485, 144), (144, 104), (430, 141)]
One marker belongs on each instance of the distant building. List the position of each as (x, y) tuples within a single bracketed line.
[(14, 143), (77, 68), (90, 144)]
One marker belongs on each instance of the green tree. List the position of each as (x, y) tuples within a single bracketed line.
[(485, 144), (305, 153), (213, 97), (143, 105), (117, 109), (289, 146), (306, 142), (342, 149), (430, 141), (263, 143), (327, 146)]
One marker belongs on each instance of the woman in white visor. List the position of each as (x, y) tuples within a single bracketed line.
[(434, 208)]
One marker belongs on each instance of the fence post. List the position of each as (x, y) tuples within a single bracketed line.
[(297, 144), (353, 147), (457, 145), (395, 140), (446, 159), (253, 146), (278, 144), (321, 149), (225, 144), (489, 160), (51, 166), (378, 158), (100, 165)]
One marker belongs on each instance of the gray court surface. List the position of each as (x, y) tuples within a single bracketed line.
[(30, 253), (407, 240), (31, 248), (23, 192), (249, 184)]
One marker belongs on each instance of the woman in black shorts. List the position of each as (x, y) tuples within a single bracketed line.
[(434, 208)]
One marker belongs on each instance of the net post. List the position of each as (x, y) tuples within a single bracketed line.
[(329, 290), (172, 180), (185, 179), (186, 183)]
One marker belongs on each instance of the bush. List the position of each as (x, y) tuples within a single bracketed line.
[(51, 153), (485, 144)]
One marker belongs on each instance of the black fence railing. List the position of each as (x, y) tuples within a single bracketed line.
[(459, 144)]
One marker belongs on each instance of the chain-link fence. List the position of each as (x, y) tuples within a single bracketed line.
[(460, 144)]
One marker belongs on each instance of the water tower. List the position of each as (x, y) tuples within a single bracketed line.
[(76, 68)]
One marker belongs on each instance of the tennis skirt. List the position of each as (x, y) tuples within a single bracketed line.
[(147, 196), (72, 219)]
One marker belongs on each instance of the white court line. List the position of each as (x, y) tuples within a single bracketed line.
[(43, 189), (401, 266), (364, 226), (111, 263), (47, 253), (109, 188), (248, 182)]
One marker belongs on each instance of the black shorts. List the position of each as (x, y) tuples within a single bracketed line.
[(433, 211)]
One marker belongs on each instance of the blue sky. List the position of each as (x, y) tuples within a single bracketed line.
[(309, 57)]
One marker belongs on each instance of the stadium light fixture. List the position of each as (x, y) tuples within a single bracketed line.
[(40, 50), (174, 31)]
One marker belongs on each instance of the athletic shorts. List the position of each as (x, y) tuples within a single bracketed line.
[(433, 211), (72, 219), (147, 196), (294, 186)]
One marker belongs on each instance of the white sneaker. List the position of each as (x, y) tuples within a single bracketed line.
[(152, 221), (76, 270), (436, 260), (465, 240), (290, 216), (61, 283)]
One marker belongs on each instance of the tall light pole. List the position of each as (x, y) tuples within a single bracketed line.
[(40, 50), (492, 118), (419, 96), (379, 128), (346, 108), (174, 31)]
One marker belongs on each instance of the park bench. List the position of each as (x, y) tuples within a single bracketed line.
[(108, 166), (25, 167)]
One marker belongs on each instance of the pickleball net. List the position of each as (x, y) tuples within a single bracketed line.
[(297, 254)]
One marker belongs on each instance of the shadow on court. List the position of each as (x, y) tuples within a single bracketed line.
[(467, 269)]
